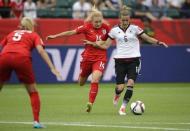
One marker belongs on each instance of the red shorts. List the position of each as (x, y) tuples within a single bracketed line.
[(87, 67), (22, 65)]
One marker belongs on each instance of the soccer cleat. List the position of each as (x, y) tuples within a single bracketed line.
[(122, 111), (37, 125), (115, 100), (89, 107)]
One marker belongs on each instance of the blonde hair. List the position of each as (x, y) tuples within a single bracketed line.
[(93, 13), (125, 10), (27, 23)]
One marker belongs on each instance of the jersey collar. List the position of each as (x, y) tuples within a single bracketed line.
[(123, 29)]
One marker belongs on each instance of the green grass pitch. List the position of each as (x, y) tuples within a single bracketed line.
[(63, 108)]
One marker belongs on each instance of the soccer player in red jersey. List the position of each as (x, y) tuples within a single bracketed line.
[(94, 59), (16, 56), (127, 56)]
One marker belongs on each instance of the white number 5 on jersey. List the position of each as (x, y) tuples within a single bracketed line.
[(17, 36), (125, 38)]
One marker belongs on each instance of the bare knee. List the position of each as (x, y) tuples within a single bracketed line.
[(121, 87), (95, 80), (96, 76), (31, 88), (130, 82)]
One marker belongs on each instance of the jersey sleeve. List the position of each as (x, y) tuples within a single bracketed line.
[(139, 31), (111, 34), (38, 41), (80, 29)]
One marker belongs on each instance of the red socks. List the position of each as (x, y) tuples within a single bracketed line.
[(35, 103), (93, 92)]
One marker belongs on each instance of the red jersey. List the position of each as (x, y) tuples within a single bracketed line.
[(21, 41), (9, 3), (18, 9), (94, 34)]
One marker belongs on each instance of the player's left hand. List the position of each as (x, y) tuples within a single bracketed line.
[(163, 44), (56, 73)]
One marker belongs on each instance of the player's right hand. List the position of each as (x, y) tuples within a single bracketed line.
[(163, 44), (56, 73), (50, 37)]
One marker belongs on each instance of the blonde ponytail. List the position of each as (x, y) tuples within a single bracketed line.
[(93, 13), (125, 10), (27, 23)]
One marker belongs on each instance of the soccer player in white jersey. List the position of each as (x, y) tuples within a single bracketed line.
[(127, 57)]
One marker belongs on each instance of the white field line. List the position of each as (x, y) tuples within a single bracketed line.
[(82, 124), (157, 123)]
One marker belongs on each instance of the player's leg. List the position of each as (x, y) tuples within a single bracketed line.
[(98, 68), (120, 70), (96, 76), (1, 86), (85, 71), (118, 90), (94, 86), (24, 72), (5, 69), (34, 99), (82, 80), (35, 103), (127, 96), (132, 72)]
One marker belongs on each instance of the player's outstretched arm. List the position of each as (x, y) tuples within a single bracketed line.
[(153, 40), (62, 34), (100, 44), (46, 58)]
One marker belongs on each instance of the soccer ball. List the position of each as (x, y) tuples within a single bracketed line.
[(137, 107)]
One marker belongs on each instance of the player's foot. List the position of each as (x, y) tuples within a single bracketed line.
[(38, 125), (122, 111), (115, 100), (89, 107)]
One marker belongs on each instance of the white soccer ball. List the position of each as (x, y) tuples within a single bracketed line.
[(137, 107)]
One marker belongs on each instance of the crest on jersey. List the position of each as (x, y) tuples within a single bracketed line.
[(104, 31)]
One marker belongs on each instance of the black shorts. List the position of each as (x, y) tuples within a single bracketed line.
[(129, 66)]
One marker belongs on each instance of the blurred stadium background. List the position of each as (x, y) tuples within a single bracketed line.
[(164, 80), (166, 20)]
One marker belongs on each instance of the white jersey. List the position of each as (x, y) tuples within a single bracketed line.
[(30, 10), (127, 42)]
